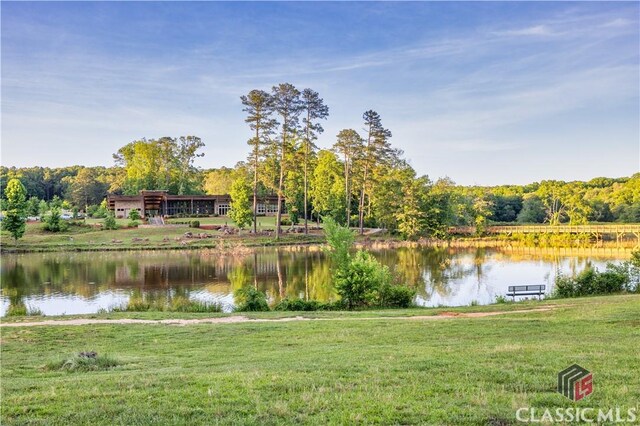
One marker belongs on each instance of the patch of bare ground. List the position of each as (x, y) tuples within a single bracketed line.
[(242, 319)]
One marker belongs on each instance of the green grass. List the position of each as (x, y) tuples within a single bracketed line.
[(174, 304), (264, 222), (453, 371), (88, 239), (20, 310), (79, 363), (556, 304)]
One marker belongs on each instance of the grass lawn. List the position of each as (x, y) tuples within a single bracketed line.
[(264, 222), (86, 238), (347, 370)]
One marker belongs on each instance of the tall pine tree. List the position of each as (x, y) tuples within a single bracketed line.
[(258, 105), (313, 109)]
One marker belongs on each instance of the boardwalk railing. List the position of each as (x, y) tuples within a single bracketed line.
[(598, 230)]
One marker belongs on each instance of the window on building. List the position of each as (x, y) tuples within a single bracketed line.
[(271, 208), (223, 209)]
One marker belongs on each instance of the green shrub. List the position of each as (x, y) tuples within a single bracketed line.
[(630, 270), (358, 285), (288, 304), (53, 222), (285, 221), (362, 281), (194, 224), (396, 296), (565, 286), (21, 310), (340, 239), (98, 211), (110, 222), (615, 279), (609, 282), (249, 299), (134, 215)]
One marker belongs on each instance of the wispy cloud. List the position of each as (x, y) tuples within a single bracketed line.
[(536, 30), (617, 23)]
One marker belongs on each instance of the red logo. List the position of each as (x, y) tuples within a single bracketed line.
[(575, 382), (583, 387)]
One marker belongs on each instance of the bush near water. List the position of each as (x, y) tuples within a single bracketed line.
[(617, 278)]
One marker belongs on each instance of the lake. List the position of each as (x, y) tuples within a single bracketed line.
[(82, 283)]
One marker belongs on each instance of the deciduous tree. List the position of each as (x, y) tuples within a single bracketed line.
[(15, 217), (327, 187), (241, 212)]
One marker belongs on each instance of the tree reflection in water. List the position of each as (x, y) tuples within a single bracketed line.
[(300, 273)]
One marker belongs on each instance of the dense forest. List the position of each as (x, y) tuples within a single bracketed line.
[(362, 180)]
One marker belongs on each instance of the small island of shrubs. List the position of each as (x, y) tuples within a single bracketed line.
[(360, 280)]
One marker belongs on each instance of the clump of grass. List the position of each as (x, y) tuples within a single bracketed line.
[(501, 299), (175, 304), (22, 310), (83, 362), (182, 304), (288, 304), (474, 303), (16, 311)]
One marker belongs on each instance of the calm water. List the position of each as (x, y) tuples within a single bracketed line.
[(76, 283)]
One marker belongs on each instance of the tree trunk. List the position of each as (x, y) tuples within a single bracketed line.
[(281, 183), (306, 159), (361, 204), (364, 180), (346, 190), (279, 214), (255, 181), (306, 162)]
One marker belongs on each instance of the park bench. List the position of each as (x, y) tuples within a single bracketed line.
[(526, 290)]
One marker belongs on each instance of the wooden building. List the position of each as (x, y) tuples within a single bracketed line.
[(161, 203)]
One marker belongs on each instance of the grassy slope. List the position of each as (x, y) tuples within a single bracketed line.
[(416, 311), (77, 238), (457, 371)]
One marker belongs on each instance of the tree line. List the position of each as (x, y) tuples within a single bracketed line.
[(361, 180)]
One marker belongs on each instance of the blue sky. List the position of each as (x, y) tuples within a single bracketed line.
[(485, 93)]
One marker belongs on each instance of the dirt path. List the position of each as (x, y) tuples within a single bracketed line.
[(242, 319)]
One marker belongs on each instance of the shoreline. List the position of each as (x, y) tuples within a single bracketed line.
[(248, 242)]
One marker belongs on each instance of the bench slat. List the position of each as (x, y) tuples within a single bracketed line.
[(527, 287), (526, 290)]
